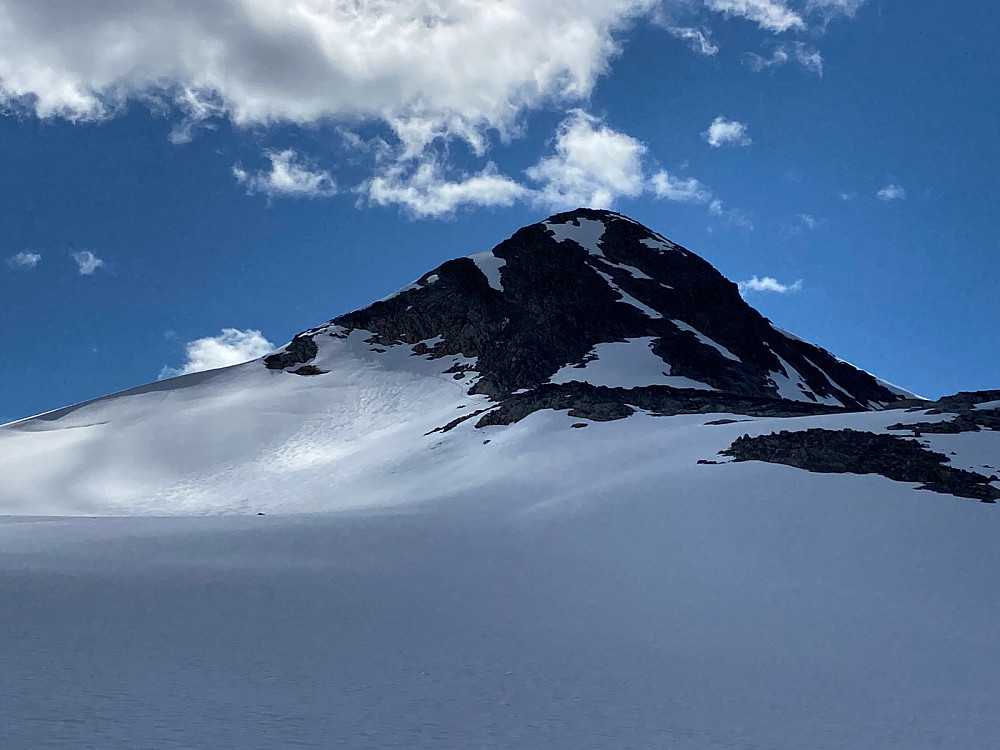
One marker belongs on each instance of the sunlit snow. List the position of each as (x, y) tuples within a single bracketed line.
[(626, 364)]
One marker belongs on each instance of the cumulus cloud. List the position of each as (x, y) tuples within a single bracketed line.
[(290, 175), (891, 193), (426, 191), (723, 132), (683, 190), (428, 67), (24, 260), (593, 165), (231, 347), (806, 56), (768, 284), (86, 262), (772, 15)]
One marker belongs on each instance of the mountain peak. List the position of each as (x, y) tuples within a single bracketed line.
[(590, 306)]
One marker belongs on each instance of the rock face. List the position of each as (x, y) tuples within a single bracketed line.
[(536, 311)]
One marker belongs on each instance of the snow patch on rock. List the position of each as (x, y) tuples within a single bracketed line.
[(587, 233), (490, 265), (625, 364)]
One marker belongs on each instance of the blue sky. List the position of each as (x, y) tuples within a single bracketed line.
[(186, 186)]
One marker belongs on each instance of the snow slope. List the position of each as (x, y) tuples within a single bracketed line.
[(365, 433), (418, 582), (228, 440), (604, 593)]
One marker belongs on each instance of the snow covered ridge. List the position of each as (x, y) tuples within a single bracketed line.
[(559, 300)]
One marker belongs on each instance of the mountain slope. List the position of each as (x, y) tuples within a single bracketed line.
[(467, 383)]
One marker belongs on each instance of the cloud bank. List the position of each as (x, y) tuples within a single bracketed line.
[(429, 68)]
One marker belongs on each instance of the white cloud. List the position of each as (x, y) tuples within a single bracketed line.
[(427, 192), (809, 58), (724, 132), (230, 347), (700, 40), (431, 71), (758, 63), (891, 193), (86, 262), (768, 284), (289, 175), (672, 188), (831, 8), (802, 223), (593, 165), (429, 67), (806, 56), (772, 15), (24, 260)]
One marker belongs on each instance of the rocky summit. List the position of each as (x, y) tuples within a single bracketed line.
[(590, 307)]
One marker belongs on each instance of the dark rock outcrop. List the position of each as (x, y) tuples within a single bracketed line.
[(963, 405), (301, 349), (854, 452), (603, 404)]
